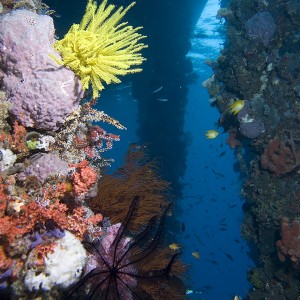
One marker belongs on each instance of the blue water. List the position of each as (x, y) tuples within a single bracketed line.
[(206, 186), (212, 209), (208, 201)]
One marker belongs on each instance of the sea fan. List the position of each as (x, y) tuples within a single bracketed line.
[(132, 268)]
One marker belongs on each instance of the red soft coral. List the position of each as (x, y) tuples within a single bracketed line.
[(289, 245), (83, 178), (33, 214)]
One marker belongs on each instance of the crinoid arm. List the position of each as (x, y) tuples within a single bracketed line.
[(127, 269)]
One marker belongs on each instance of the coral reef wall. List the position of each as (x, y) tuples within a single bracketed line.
[(51, 159), (260, 65)]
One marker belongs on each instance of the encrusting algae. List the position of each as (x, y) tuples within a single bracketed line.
[(100, 48)]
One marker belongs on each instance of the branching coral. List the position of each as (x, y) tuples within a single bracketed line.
[(84, 177), (131, 268), (139, 177), (100, 48), (16, 141), (75, 141), (31, 215)]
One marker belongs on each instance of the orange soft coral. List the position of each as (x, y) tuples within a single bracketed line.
[(32, 214), (53, 193), (83, 178), (40, 252), (17, 140), (76, 222)]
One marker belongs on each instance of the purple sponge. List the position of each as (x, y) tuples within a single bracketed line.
[(43, 93), (45, 165), (262, 27)]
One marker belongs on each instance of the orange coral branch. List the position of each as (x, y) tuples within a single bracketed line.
[(84, 177), (32, 214)]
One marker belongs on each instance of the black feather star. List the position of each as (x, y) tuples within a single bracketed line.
[(130, 268)]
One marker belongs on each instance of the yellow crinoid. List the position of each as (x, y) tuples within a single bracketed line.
[(100, 48)]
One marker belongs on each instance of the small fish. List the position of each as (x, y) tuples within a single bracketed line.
[(182, 227), (222, 153), (222, 229), (229, 256), (157, 90), (222, 221), (162, 99), (196, 254), (218, 173), (237, 106), (191, 292), (232, 206), (169, 212), (211, 134), (174, 247), (198, 239)]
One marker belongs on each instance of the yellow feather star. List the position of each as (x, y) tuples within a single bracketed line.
[(100, 48)]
